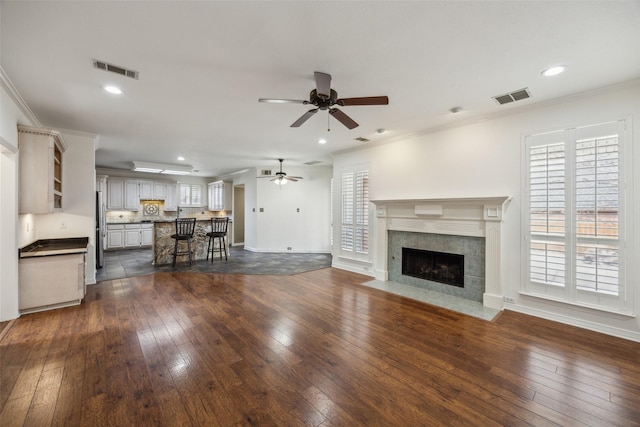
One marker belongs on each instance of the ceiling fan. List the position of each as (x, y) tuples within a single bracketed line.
[(281, 178), (324, 98)]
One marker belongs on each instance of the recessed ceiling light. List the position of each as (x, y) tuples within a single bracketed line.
[(113, 89), (381, 130), (455, 110), (322, 141), (553, 71), (180, 158)]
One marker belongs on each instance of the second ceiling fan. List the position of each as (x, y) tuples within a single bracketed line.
[(325, 98)]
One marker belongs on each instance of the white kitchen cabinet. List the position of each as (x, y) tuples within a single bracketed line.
[(159, 190), (219, 196), (115, 194), (131, 195), (146, 234), (40, 170), (146, 190), (171, 199), (131, 235), (115, 236)]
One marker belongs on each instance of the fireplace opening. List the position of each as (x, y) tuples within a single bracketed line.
[(435, 266)]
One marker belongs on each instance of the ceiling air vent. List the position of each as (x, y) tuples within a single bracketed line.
[(101, 65), (361, 139), (313, 162), (513, 96)]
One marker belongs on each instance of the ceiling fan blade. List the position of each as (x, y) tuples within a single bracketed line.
[(303, 119), (343, 118), (367, 100), (291, 178), (294, 177), (282, 101), (323, 84)]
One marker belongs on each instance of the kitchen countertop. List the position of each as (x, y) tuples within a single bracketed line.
[(46, 247), (130, 222)]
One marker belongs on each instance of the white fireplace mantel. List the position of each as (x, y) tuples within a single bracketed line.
[(470, 216)]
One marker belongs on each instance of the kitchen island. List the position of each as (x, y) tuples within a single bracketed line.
[(163, 244)]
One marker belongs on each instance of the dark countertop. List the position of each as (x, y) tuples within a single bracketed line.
[(131, 222), (46, 247), (173, 221)]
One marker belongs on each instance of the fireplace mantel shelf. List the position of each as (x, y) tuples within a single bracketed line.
[(456, 200)]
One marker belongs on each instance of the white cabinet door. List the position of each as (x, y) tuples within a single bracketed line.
[(171, 199), (131, 195), (159, 190), (115, 194), (146, 234), (146, 190), (115, 236), (131, 235)]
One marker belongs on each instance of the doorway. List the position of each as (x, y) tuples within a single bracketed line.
[(238, 215)]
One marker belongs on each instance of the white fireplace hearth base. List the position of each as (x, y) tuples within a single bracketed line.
[(473, 216)]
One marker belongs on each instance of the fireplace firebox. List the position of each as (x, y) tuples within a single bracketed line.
[(439, 267)]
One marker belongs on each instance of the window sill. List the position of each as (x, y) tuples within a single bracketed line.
[(609, 310)]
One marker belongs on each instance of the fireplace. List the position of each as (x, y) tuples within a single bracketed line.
[(469, 226), (436, 266)]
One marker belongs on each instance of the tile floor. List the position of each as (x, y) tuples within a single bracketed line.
[(137, 262)]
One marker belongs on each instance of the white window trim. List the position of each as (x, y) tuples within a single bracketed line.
[(190, 192), (354, 255), (623, 303)]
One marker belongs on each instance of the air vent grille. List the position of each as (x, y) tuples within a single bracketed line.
[(513, 96), (101, 65), (361, 139), (313, 162), (266, 172)]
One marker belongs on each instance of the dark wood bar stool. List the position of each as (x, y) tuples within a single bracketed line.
[(219, 232), (185, 227)]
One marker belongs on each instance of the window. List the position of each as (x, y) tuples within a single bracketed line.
[(190, 194), (575, 215), (355, 212)]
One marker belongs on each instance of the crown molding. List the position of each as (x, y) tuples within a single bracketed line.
[(8, 86)]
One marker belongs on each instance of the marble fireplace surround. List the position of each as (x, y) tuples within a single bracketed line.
[(472, 216)]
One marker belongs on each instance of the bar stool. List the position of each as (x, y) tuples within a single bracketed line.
[(185, 227), (218, 231)]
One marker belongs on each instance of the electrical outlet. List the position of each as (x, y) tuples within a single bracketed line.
[(510, 300)]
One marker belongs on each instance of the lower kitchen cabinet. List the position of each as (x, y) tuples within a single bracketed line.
[(115, 236), (134, 235)]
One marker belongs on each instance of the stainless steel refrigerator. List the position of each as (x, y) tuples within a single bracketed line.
[(101, 229)]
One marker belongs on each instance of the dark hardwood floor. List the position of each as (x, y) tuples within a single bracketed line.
[(317, 348)]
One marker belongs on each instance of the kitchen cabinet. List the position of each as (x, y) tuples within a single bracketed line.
[(219, 196), (40, 170), (136, 235), (146, 189), (159, 190), (115, 236), (115, 194), (131, 195), (171, 199), (146, 234), (52, 274)]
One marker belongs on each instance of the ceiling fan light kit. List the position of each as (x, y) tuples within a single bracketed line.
[(281, 178), (325, 98)]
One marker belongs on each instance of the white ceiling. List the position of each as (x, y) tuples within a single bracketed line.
[(203, 65)]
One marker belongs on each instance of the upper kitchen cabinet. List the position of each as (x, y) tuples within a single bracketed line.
[(40, 170), (146, 190), (219, 196), (123, 194)]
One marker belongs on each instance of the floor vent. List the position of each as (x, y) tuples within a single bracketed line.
[(101, 65), (361, 139), (513, 96)]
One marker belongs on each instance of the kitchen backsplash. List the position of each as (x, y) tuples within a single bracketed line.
[(154, 211)]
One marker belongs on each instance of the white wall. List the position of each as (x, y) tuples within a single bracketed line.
[(485, 159), (296, 215), (12, 112)]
